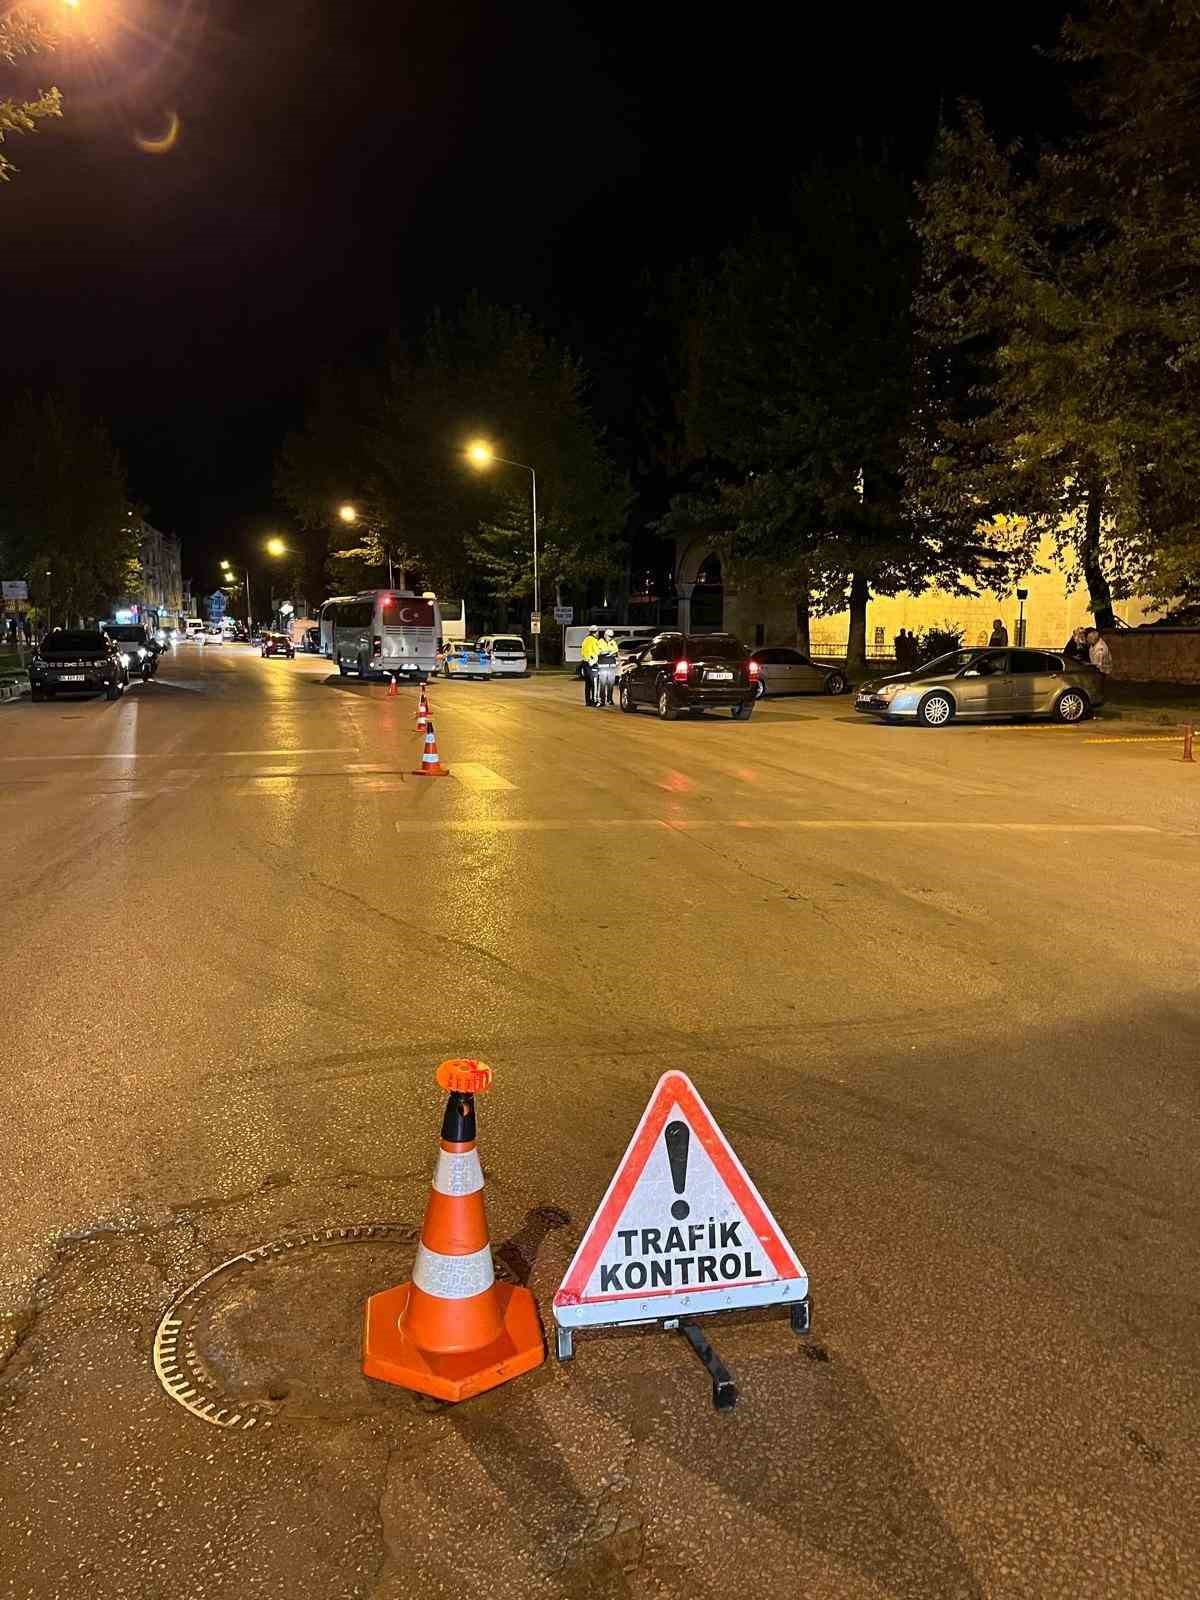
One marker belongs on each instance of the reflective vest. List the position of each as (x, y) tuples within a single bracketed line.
[(608, 651), (589, 649)]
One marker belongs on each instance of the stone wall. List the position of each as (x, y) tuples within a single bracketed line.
[(1155, 655)]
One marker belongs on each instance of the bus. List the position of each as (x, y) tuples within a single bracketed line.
[(381, 631), (454, 619)]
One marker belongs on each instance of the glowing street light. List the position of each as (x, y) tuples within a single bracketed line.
[(480, 454), (348, 513), (276, 547)]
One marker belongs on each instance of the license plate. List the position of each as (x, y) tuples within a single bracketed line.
[(70, 677), (727, 676)]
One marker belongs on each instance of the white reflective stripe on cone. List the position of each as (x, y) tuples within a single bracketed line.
[(458, 1172), (453, 1277)]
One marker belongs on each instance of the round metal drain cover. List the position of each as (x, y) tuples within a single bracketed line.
[(274, 1331)]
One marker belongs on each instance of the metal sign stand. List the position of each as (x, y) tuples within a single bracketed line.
[(724, 1385)]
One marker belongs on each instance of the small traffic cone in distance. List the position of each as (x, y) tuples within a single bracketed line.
[(393, 688), (422, 712), (430, 766), (453, 1331)]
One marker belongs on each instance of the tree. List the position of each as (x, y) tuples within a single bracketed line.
[(1060, 300), (23, 35), (64, 522), (394, 443), (799, 397)]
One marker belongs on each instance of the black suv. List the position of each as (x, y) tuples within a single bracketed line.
[(76, 661), (690, 672)]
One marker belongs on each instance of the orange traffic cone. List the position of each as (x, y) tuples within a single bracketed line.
[(430, 766), (453, 1331), (393, 687), (422, 712)]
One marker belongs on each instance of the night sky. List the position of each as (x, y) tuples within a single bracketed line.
[(343, 166)]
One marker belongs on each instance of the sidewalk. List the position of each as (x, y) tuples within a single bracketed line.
[(1172, 703)]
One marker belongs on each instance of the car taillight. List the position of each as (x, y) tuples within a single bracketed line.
[(681, 671), (753, 665)]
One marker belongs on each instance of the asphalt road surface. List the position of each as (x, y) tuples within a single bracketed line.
[(939, 989)]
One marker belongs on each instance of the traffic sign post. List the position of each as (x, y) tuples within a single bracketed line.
[(535, 622), (681, 1233), (14, 589), (564, 615)]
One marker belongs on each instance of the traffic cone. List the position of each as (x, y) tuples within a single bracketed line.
[(393, 686), (453, 1331), (430, 766), (422, 712)]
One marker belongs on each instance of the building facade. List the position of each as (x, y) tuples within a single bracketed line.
[(1056, 602), (159, 599)]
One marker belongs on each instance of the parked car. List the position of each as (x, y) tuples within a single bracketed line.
[(507, 652), (782, 670), (972, 684), (691, 672), (237, 633), (213, 636), (465, 660), (311, 642), (139, 653), (277, 644), (77, 661)]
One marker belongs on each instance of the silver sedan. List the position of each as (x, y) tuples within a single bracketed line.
[(786, 671), (986, 683)]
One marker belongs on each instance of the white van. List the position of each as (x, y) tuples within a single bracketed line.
[(574, 637), (507, 651), (193, 627), (392, 632)]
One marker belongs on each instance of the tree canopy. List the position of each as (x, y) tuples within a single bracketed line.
[(394, 442), (63, 508), (1060, 302), (23, 35), (798, 399)]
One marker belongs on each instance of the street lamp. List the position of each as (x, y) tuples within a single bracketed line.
[(481, 455), (230, 579), (348, 513), (276, 547)]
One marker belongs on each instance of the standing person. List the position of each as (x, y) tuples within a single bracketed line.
[(28, 626), (1076, 647), (901, 650), (1098, 652), (606, 669), (999, 633), (589, 651)]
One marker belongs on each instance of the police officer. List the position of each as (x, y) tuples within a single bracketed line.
[(589, 652), (606, 669)]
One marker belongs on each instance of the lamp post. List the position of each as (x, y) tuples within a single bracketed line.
[(230, 579), (481, 455)]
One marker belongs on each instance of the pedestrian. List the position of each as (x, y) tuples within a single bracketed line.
[(606, 669), (28, 627), (1098, 652), (1076, 647), (900, 649), (589, 651), (999, 634)]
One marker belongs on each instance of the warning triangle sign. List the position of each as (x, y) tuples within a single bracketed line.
[(681, 1229)]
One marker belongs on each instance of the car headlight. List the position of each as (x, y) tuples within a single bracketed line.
[(124, 659), (142, 653)]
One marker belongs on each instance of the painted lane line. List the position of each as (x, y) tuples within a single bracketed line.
[(476, 776), (183, 757), (1139, 738), (760, 824)]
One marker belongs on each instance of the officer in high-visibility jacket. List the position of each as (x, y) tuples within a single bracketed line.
[(606, 669), (589, 652)]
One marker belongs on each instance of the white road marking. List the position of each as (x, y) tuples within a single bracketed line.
[(477, 776), (754, 824), (184, 756)]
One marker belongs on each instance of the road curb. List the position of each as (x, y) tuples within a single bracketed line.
[(13, 688)]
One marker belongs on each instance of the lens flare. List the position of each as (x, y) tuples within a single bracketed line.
[(163, 143)]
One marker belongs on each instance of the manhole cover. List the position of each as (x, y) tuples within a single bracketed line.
[(273, 1330)]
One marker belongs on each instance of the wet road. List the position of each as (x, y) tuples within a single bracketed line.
[(939, 989)]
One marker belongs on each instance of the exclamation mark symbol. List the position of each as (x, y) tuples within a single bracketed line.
[(678, 1136)]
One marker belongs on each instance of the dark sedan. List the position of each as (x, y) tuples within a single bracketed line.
[(691, 672), (278, 644), (77, 661), (782, 670)]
